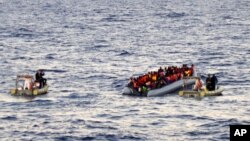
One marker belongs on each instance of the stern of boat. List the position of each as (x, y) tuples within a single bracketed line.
[(13, 91), (43, 90)]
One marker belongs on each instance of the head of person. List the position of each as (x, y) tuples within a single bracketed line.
[(42, 72), (209, 75)]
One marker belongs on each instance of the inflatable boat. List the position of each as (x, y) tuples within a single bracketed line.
[(203, 92), (27, 87), (33, 92), (168, 89)]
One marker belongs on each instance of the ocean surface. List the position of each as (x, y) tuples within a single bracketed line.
[(91, 47)]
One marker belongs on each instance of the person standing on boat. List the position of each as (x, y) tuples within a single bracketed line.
[(214, 81), (40, 79), (192, 70), (198, 84), (44, 80), (209, 82), (130, 82), (27, 83)]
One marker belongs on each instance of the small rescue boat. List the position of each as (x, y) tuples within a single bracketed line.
[(28, 88), (202, 93)]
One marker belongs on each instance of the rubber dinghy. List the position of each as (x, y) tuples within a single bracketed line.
[(168, 89), (202, 93), (34, 92), (27, 89)]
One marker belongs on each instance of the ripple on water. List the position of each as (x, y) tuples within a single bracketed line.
[(9, 118)]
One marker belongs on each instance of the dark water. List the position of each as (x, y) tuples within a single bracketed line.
[(92, 47)]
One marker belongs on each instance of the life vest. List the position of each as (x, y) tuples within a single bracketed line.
[(144, 78), (172, 77), (149, 76), (175, 77), (187, 73), (135, 85), (140, 81), (154, 77), (168, 78), (178, 75)]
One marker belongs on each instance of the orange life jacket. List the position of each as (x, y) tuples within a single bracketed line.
[(154, 77), (172, 77), (135, 85)]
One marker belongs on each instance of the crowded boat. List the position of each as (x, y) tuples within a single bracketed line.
[(154, 80)]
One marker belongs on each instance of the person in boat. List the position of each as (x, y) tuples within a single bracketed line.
[(168, 79), (27, 83), (214, 81), (161, 83), (130, 82), (209, 82), (165, 70), (185, 70), (135, 84), (197, 85), (160, 71), (188, 72), (44, 79), (39, 78), (144, 89), (160, 78), (154, 76), (192, 70)]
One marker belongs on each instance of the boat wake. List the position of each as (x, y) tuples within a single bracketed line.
[(9, 98)]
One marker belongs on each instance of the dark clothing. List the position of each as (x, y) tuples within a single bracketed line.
[(39, 78), (214, 81), (209, 84), (160, 70)]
